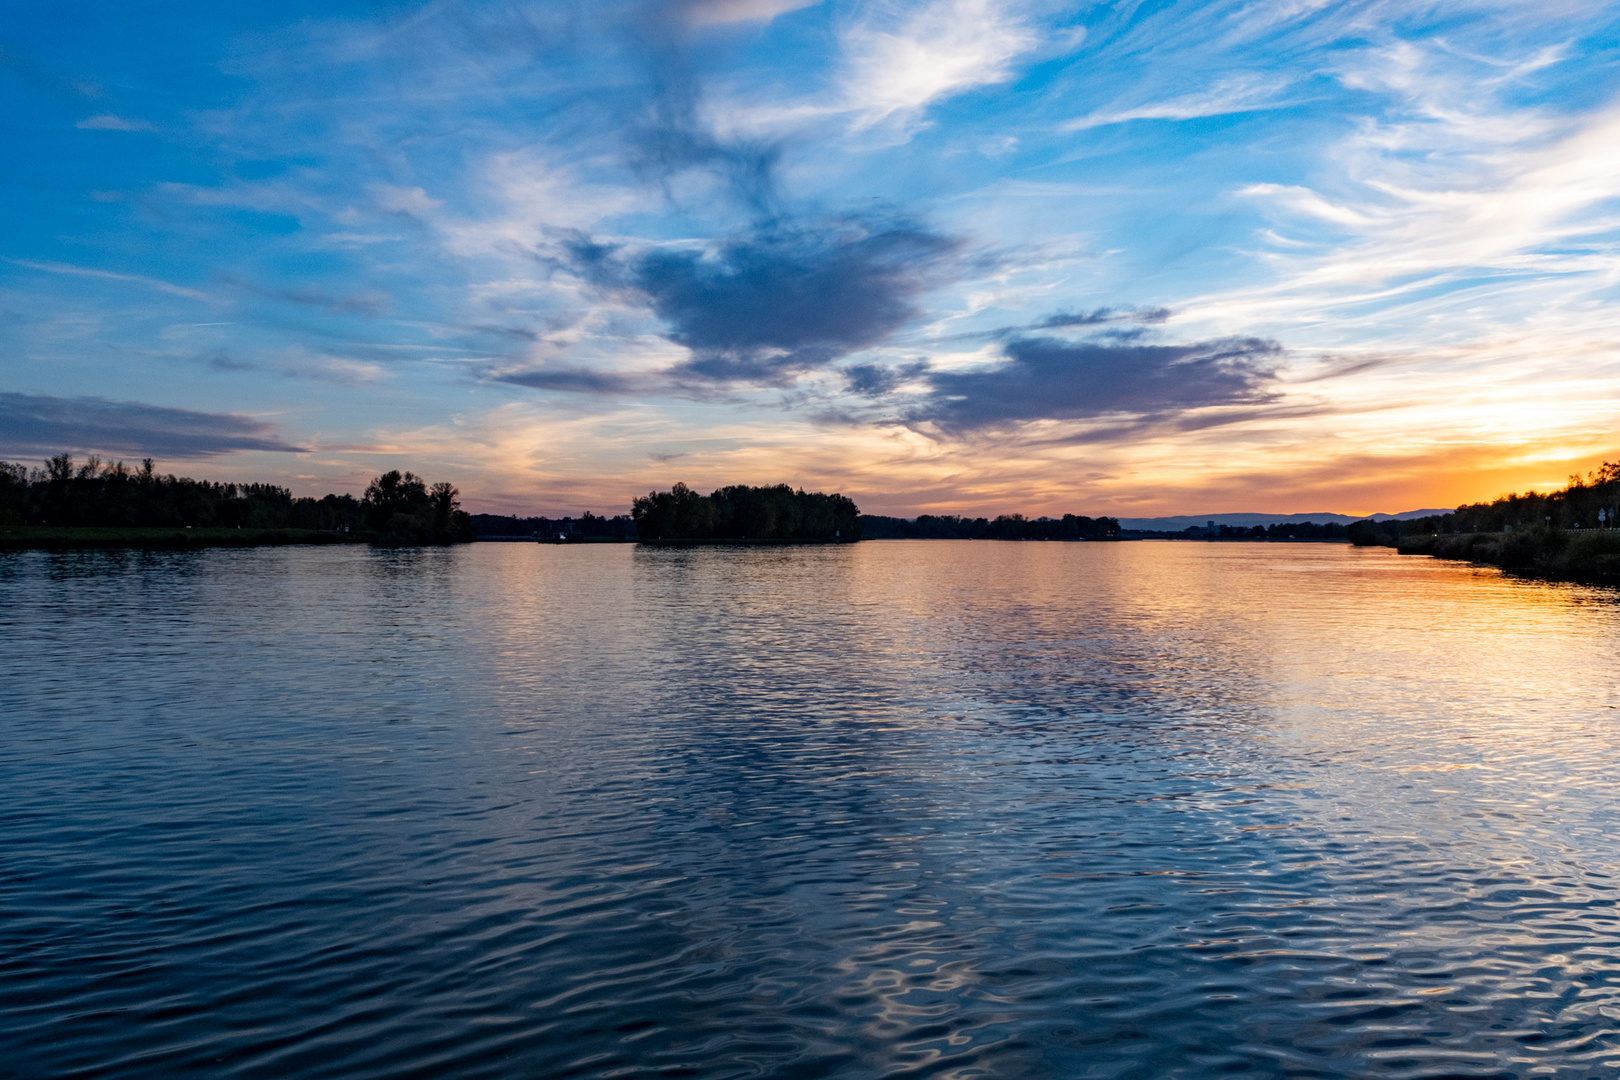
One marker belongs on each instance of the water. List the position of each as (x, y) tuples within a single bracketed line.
[(922, 809)]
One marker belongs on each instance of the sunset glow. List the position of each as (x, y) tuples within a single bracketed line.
[(944, 256)]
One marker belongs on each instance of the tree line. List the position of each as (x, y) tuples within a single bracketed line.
[(740, 512), (1565, 535), (1005, 527), (587, 526), (397, 507), (1282, 530), (1589, 502)]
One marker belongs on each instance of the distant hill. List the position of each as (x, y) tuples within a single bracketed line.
[(1182, 521)]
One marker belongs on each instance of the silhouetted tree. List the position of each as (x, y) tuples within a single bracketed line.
[(398, 508), (13, 494), (740, 512)]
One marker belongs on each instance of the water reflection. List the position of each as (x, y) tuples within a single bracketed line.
[(926, 808)]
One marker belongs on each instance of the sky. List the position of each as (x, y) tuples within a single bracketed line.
[(944, 256)]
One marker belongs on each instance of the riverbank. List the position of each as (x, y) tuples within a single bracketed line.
[(735, 541), (1585, 555), (1147, 534), (51, 538)]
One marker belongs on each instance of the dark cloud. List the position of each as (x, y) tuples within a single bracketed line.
[(669, 137), (221, 360), (35, 424), (516, 333), (876, 380), (1101, 316), (575, 380), (1052, 379), (1118, 323), (769, 306), (669, 141)]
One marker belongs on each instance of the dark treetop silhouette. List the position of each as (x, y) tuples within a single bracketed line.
[(739, 512), (397, 509)]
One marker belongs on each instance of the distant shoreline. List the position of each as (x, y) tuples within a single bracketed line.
[(741, 541), (182, 538)]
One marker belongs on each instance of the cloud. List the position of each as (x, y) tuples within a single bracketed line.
[(766, 307), (722, 12), (108, 275), (1121, 322), (1449, 213), (109, 122), (221, 360), (1238, 94), (333, 369), (36, 424), (670, 137), (412, 201), (1101, 316), (897, 64), (1051, 379), (576, 380), (877, 380)]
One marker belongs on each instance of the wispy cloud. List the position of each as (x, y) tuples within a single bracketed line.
[(899, 59), (40, 424), (110, 122), (108, 275), (1247, 92), (1544, 204), (724, 12), (342, 370), (411, 201)]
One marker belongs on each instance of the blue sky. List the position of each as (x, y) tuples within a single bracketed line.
[(942, 256)]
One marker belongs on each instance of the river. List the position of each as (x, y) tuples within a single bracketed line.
[(932, 808)]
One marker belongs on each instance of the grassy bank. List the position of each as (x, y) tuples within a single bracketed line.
[(48, 537), (1587, 555)]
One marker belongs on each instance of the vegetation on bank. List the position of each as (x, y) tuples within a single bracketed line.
[(1005, 527), (1566, 535), (93, 503), (588, 527), (1589, 502), (1591, 555), (740, 513)]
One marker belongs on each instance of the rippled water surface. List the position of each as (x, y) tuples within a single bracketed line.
[(967, 809)]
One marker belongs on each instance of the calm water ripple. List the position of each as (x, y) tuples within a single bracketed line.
[(934, 809)]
